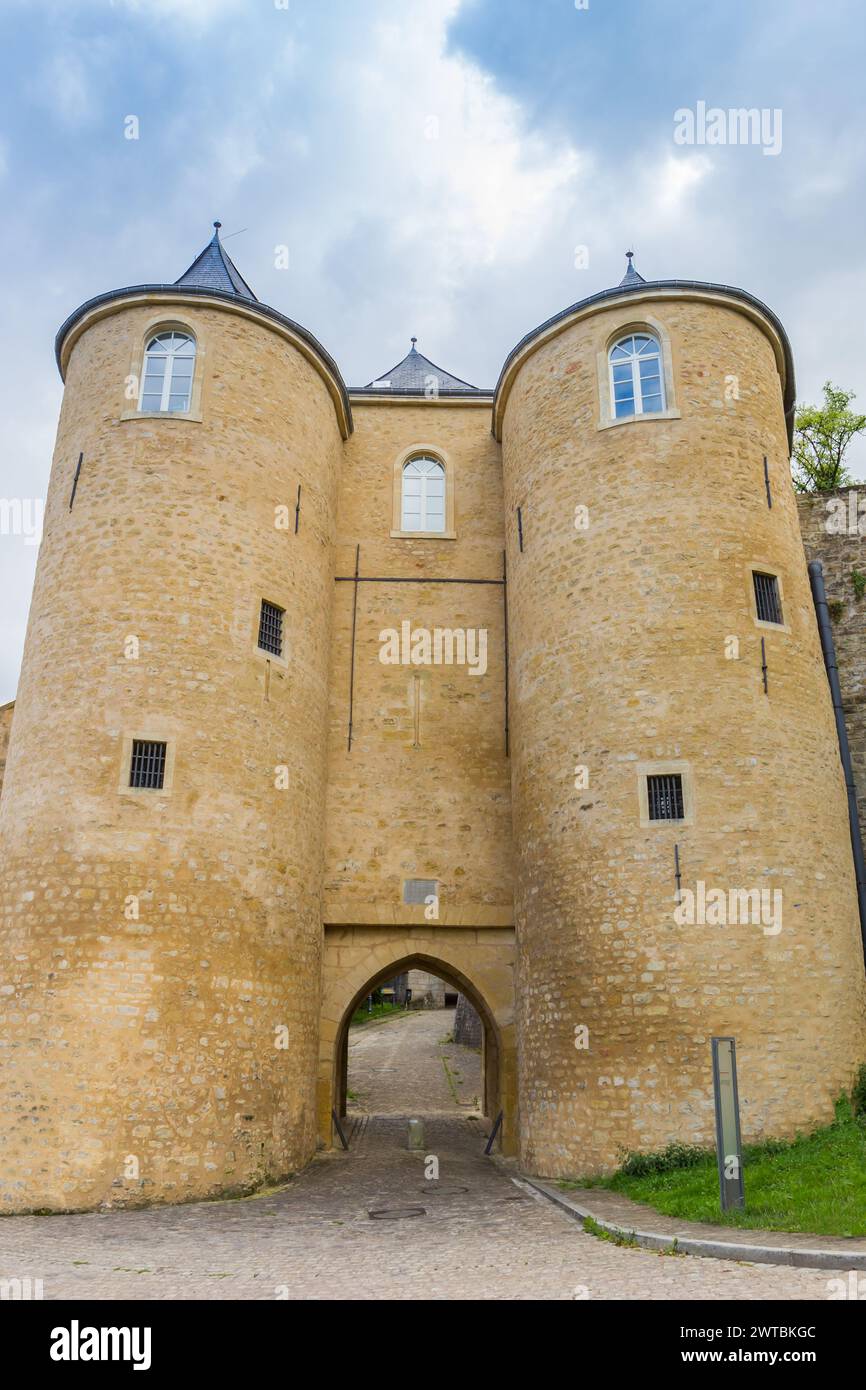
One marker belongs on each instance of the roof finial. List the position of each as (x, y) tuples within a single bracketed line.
[(217, 226), (631, 277), (414, 341)]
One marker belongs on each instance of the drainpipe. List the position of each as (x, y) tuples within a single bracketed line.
[(828, 646)]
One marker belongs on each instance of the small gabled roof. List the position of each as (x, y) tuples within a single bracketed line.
[(416, 375), (213, 269)]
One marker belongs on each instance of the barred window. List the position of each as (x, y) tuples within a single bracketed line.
[(271, 628), (768, 604), (418, 890), (665, 796), (147, 768)]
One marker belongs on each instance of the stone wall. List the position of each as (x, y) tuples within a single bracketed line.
[(830, 526), (467, 1024), (5, 730), (424, 791), (170, 941), (635, 647), (428, 991)]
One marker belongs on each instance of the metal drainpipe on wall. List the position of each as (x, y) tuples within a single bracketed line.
[(828, 647)]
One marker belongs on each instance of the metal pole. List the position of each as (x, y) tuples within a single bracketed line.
[(505, 625), (828, 647), (75, 480), (343, 1139), (352, 666), (489, 1145)]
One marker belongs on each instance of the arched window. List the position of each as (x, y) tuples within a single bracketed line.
[(423, 507), (169, 360), (636, 377)]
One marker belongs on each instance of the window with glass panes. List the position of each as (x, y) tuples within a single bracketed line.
[(423, 501), (169, 361), (636, 381)]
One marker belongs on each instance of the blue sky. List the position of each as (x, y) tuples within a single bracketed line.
[(430, 164)]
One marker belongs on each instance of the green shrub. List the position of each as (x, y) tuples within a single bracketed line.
[(637, 1165), (858, 1093)]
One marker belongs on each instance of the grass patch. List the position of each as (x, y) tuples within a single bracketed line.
[(814, 1184), (363, 1015)]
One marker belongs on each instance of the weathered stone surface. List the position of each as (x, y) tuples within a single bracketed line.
[(842, 553), (467, 1024), (5, 731), (619, 636), (179, 968)]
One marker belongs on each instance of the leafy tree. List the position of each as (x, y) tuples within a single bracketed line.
[(822, 434)]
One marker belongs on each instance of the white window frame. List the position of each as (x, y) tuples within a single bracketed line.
[(424, 526), (634, 361), (170, 358)]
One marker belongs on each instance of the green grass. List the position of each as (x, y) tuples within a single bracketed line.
[(378, 1011), (816, 1184)]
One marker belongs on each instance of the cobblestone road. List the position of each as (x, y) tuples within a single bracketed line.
[(406, 1062), (480, 1236)]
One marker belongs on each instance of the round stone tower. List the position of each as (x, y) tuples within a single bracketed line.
[(683, 860), (163, 805)]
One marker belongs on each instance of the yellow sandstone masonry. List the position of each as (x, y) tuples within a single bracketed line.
[(619, 635), (178, 967)]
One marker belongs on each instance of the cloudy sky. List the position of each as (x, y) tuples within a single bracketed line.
[(432, 166)]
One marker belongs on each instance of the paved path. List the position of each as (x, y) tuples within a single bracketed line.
[(404, 1064), (480, 1236)]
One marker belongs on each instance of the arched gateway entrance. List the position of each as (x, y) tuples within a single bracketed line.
[(478, 963)]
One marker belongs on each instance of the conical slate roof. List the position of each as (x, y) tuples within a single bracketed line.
[(631, 276), (213, 269), (417, 374)]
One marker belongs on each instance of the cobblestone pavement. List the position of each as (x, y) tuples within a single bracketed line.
[(476, 1234), (405, 1062)]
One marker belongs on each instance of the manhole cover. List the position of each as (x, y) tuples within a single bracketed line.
[(452, 1190), (395, 1213)]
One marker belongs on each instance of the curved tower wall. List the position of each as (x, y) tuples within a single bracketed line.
[(621, 658), (162, 949)]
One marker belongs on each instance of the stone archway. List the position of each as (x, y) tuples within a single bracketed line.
[(479, 963)]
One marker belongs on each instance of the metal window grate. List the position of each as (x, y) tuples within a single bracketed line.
[(271, 628), (417, 890), (768, 605), (665, 796), (148, 764)]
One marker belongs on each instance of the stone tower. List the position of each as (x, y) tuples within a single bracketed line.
[(637, 652), (162, 947), (225, 818)]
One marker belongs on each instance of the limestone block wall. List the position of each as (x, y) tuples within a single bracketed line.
[(424, 791), (830, 526), (477, 962), (622, 660), (162, 950), (5, 731), (467, 1024), (427, 989)]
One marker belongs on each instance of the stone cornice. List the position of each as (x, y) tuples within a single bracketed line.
[(651, 292), (104, 305)]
